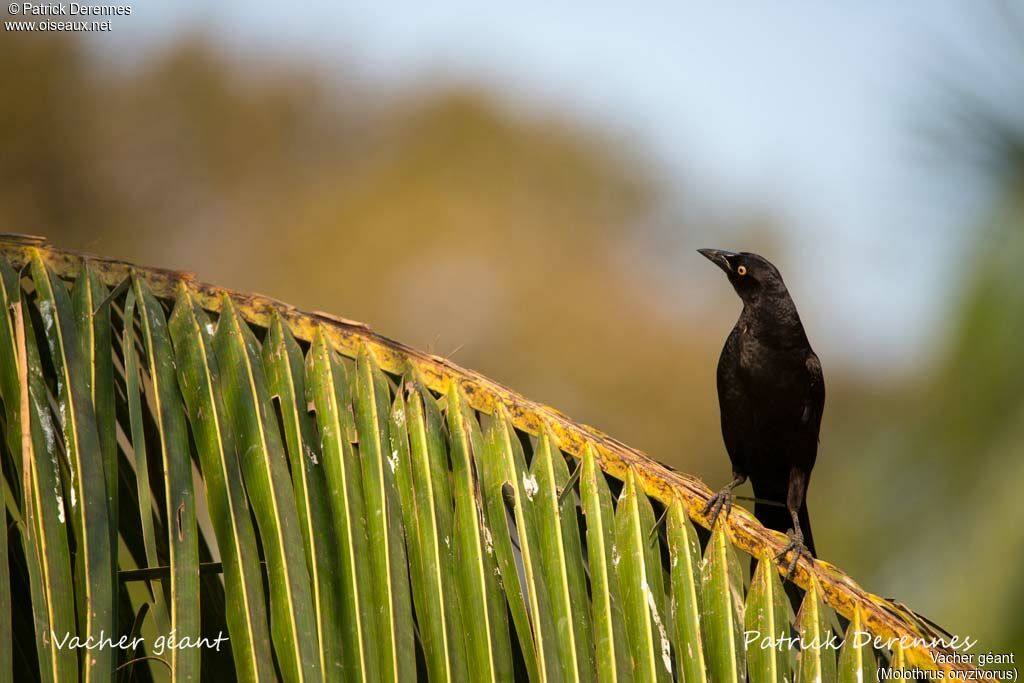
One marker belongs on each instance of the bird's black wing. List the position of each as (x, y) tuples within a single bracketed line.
[(814, 399)]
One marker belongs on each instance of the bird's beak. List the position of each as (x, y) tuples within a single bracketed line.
[(719, 257)]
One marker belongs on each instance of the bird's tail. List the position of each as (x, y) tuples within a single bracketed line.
[(775, 516)]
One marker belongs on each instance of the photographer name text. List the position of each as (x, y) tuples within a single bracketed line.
[(71, 9)]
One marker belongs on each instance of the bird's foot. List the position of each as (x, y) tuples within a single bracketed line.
[(797, 548), (718, 502)]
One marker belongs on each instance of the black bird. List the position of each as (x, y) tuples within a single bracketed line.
[(771, 393)]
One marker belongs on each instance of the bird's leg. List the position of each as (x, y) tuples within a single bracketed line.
[(723, 499), (794, 500)]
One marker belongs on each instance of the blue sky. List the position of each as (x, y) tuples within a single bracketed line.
[(806, 108)]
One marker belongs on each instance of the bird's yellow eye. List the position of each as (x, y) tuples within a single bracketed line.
[(742, 270)]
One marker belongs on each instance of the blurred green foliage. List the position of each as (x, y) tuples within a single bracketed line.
[(534, 250)]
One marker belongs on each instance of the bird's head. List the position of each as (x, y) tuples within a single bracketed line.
[(752, 276)]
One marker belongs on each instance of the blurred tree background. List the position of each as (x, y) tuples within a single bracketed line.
[(539, 251)]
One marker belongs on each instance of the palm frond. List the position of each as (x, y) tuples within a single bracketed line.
[(413, 518)]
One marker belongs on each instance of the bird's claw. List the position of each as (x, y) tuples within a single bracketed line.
[(715, 505), (797, 547)]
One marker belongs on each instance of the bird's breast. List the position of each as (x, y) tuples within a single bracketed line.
[(772, 380)]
